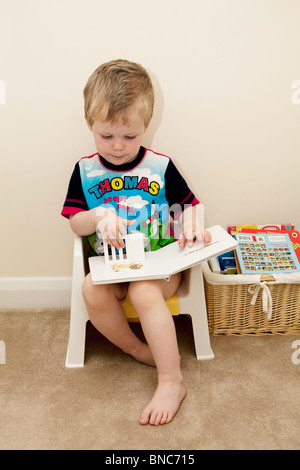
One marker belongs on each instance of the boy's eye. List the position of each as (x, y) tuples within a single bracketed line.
[(105, 136), (130, 137)]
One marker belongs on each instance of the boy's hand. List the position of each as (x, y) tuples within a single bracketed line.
[(190, 236), (191, 229), (112, 227)]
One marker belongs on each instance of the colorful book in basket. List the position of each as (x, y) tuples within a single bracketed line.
[(293, 234), (261, 252), (160, 264), (275, 227)]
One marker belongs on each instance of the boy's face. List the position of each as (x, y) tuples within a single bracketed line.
[(118, 143)]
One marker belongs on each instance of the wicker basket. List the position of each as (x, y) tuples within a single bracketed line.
[(252, 304)]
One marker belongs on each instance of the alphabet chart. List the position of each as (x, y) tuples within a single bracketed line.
[(260, 253)]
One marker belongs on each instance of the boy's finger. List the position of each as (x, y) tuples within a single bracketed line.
[(189, 235), (181, 240), (122, 225), (207, 236), (117, 243), (128, 222), (199, 235)]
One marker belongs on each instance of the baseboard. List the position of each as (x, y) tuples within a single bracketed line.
[(35, 292)]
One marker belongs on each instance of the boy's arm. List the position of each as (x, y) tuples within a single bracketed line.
[(84, 222), (190, 227), (111, 226)]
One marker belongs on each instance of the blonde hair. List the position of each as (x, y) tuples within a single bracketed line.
[(116, 90)]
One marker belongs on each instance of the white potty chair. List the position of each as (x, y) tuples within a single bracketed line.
[(189, 300)]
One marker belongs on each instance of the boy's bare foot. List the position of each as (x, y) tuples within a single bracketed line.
[(165, 402)]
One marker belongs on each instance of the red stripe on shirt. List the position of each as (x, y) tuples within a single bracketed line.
[(67, 211)]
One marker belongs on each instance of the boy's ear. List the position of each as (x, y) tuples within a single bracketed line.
[(146, 127), (88, 124)]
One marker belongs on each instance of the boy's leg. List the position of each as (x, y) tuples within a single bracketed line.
[(148, 299), (106, 314)]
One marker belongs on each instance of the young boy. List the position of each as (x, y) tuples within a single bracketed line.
[(121, 188)]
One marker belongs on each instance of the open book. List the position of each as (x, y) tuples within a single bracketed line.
[(161, 264)]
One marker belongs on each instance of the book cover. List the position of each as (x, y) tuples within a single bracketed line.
[(293, 234), (261, 253), (238, 228), (161, 264)]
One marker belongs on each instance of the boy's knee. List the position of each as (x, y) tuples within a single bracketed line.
[(92, 293), (87, 287), (142, 292)]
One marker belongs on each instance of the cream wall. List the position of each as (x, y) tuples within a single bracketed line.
[(223, 72)]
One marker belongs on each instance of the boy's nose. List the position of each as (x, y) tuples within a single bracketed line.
[(118, 145)]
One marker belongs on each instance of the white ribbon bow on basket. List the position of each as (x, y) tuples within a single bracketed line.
[(266, 297)]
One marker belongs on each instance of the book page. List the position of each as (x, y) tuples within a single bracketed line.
[(161, 264)]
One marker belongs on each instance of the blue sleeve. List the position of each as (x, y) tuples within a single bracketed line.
[(75, 200), (177, 190)]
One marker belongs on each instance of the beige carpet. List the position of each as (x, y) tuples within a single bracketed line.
[(246, 398)]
